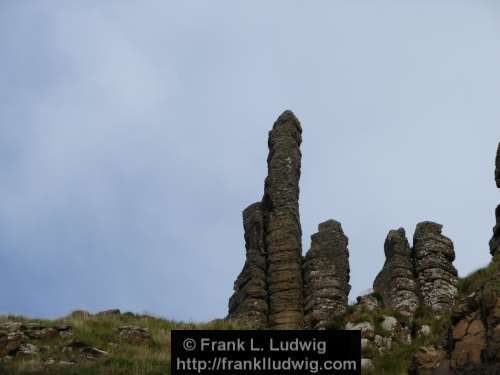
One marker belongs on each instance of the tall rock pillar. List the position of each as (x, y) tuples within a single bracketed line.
[(249, 301), (396, 282), (282, 230), (437, 277), (326, 276)]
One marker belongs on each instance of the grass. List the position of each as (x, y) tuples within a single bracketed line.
[(487, 277), (100, 331)]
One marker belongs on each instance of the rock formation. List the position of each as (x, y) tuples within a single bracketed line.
[(282, 231), (495, 240), (436, 276), (249, 300), (268, 290), (475, 334), (326, 276), (396, 282)]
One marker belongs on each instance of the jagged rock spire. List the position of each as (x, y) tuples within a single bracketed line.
[(249, 301), (437, 277), (396, 282), (282, 230), (326, 276)]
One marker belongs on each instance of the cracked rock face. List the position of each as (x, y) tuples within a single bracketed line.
[(396, 282), (475, 334), (282, 230), (326, 276), (436, 276), (249, 300)]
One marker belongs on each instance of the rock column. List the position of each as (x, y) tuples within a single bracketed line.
[(437, 277), (396, 282), (249, 301), (326, 276), (282, 230)]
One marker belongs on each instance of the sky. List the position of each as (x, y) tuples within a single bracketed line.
[(133, 134)]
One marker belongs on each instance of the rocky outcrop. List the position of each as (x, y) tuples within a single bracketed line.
[(269, 289), (396, 282), (249, 300), (436, 276), (282, 230), (326, 276), (475, 334)]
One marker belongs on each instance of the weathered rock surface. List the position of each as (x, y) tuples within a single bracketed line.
[(396, 282), (430, 360), (368, 302), (249, 300), (436, 276), (326, 276), (282, 230), (135, 334), (475, 334)]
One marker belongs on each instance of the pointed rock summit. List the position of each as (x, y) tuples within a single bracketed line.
[(270, 290), (282, 231)]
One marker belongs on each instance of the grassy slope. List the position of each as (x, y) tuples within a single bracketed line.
[(127, 358), (100, 332)]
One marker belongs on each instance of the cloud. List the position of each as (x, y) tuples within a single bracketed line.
[(133, 136)]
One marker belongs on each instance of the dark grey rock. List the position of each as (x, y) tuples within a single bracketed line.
[(249, 301), (282, 230), (396, 282), (436, 276), (326, 276)]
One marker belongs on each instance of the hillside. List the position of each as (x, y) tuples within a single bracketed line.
[(124, 343)]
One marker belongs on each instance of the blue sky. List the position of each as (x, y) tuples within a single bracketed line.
[(132, 135)]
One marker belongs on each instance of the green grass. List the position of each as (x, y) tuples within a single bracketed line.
[(101, 332), (487, 277)]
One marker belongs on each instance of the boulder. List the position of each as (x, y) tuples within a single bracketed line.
[(134, 334)]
